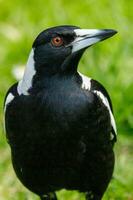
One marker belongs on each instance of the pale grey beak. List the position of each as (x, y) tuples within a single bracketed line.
[(87, 37)]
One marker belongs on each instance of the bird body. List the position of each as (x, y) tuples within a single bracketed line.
[(60, 127)]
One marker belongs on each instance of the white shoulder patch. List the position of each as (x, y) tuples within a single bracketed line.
[(26, 82), (86, 82), (9, 98), (106, 103)]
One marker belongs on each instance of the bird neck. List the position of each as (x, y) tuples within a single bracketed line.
[(38, 75), (56, 81)]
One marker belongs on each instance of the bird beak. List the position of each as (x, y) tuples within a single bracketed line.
[(87, 37)]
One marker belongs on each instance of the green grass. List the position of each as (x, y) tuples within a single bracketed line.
[(110, 62)]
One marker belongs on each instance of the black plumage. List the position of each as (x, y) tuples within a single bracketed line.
[(59, 131)]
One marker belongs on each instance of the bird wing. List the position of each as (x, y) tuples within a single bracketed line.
[(10, 95), (97, 88)]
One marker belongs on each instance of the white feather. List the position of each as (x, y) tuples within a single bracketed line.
[(25, 84), (86, 82), (8, 100), (106, 103)]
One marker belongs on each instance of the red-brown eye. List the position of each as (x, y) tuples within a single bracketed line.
[(57, 41)]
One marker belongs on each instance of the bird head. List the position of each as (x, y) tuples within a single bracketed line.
[(58, 50)]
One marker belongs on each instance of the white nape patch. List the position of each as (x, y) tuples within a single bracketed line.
[(106, 103), (25, 84), (86, 82), (8, 100), (85, 38)]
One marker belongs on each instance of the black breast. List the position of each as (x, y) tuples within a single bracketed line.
[(60, 139)]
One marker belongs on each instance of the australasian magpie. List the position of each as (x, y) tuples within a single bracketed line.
[(59, 123)]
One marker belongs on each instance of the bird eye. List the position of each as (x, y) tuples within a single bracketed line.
[(57, 41)]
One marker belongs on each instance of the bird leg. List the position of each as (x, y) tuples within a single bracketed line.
[(50, 196), (91, 196), (45, 197)]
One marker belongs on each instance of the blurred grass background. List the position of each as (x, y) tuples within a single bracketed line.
[(110, 62)]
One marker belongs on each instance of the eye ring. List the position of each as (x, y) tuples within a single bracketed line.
[(57, 41)]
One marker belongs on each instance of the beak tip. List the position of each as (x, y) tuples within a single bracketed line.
[(107, 33), (111, 32), (114, 32)]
